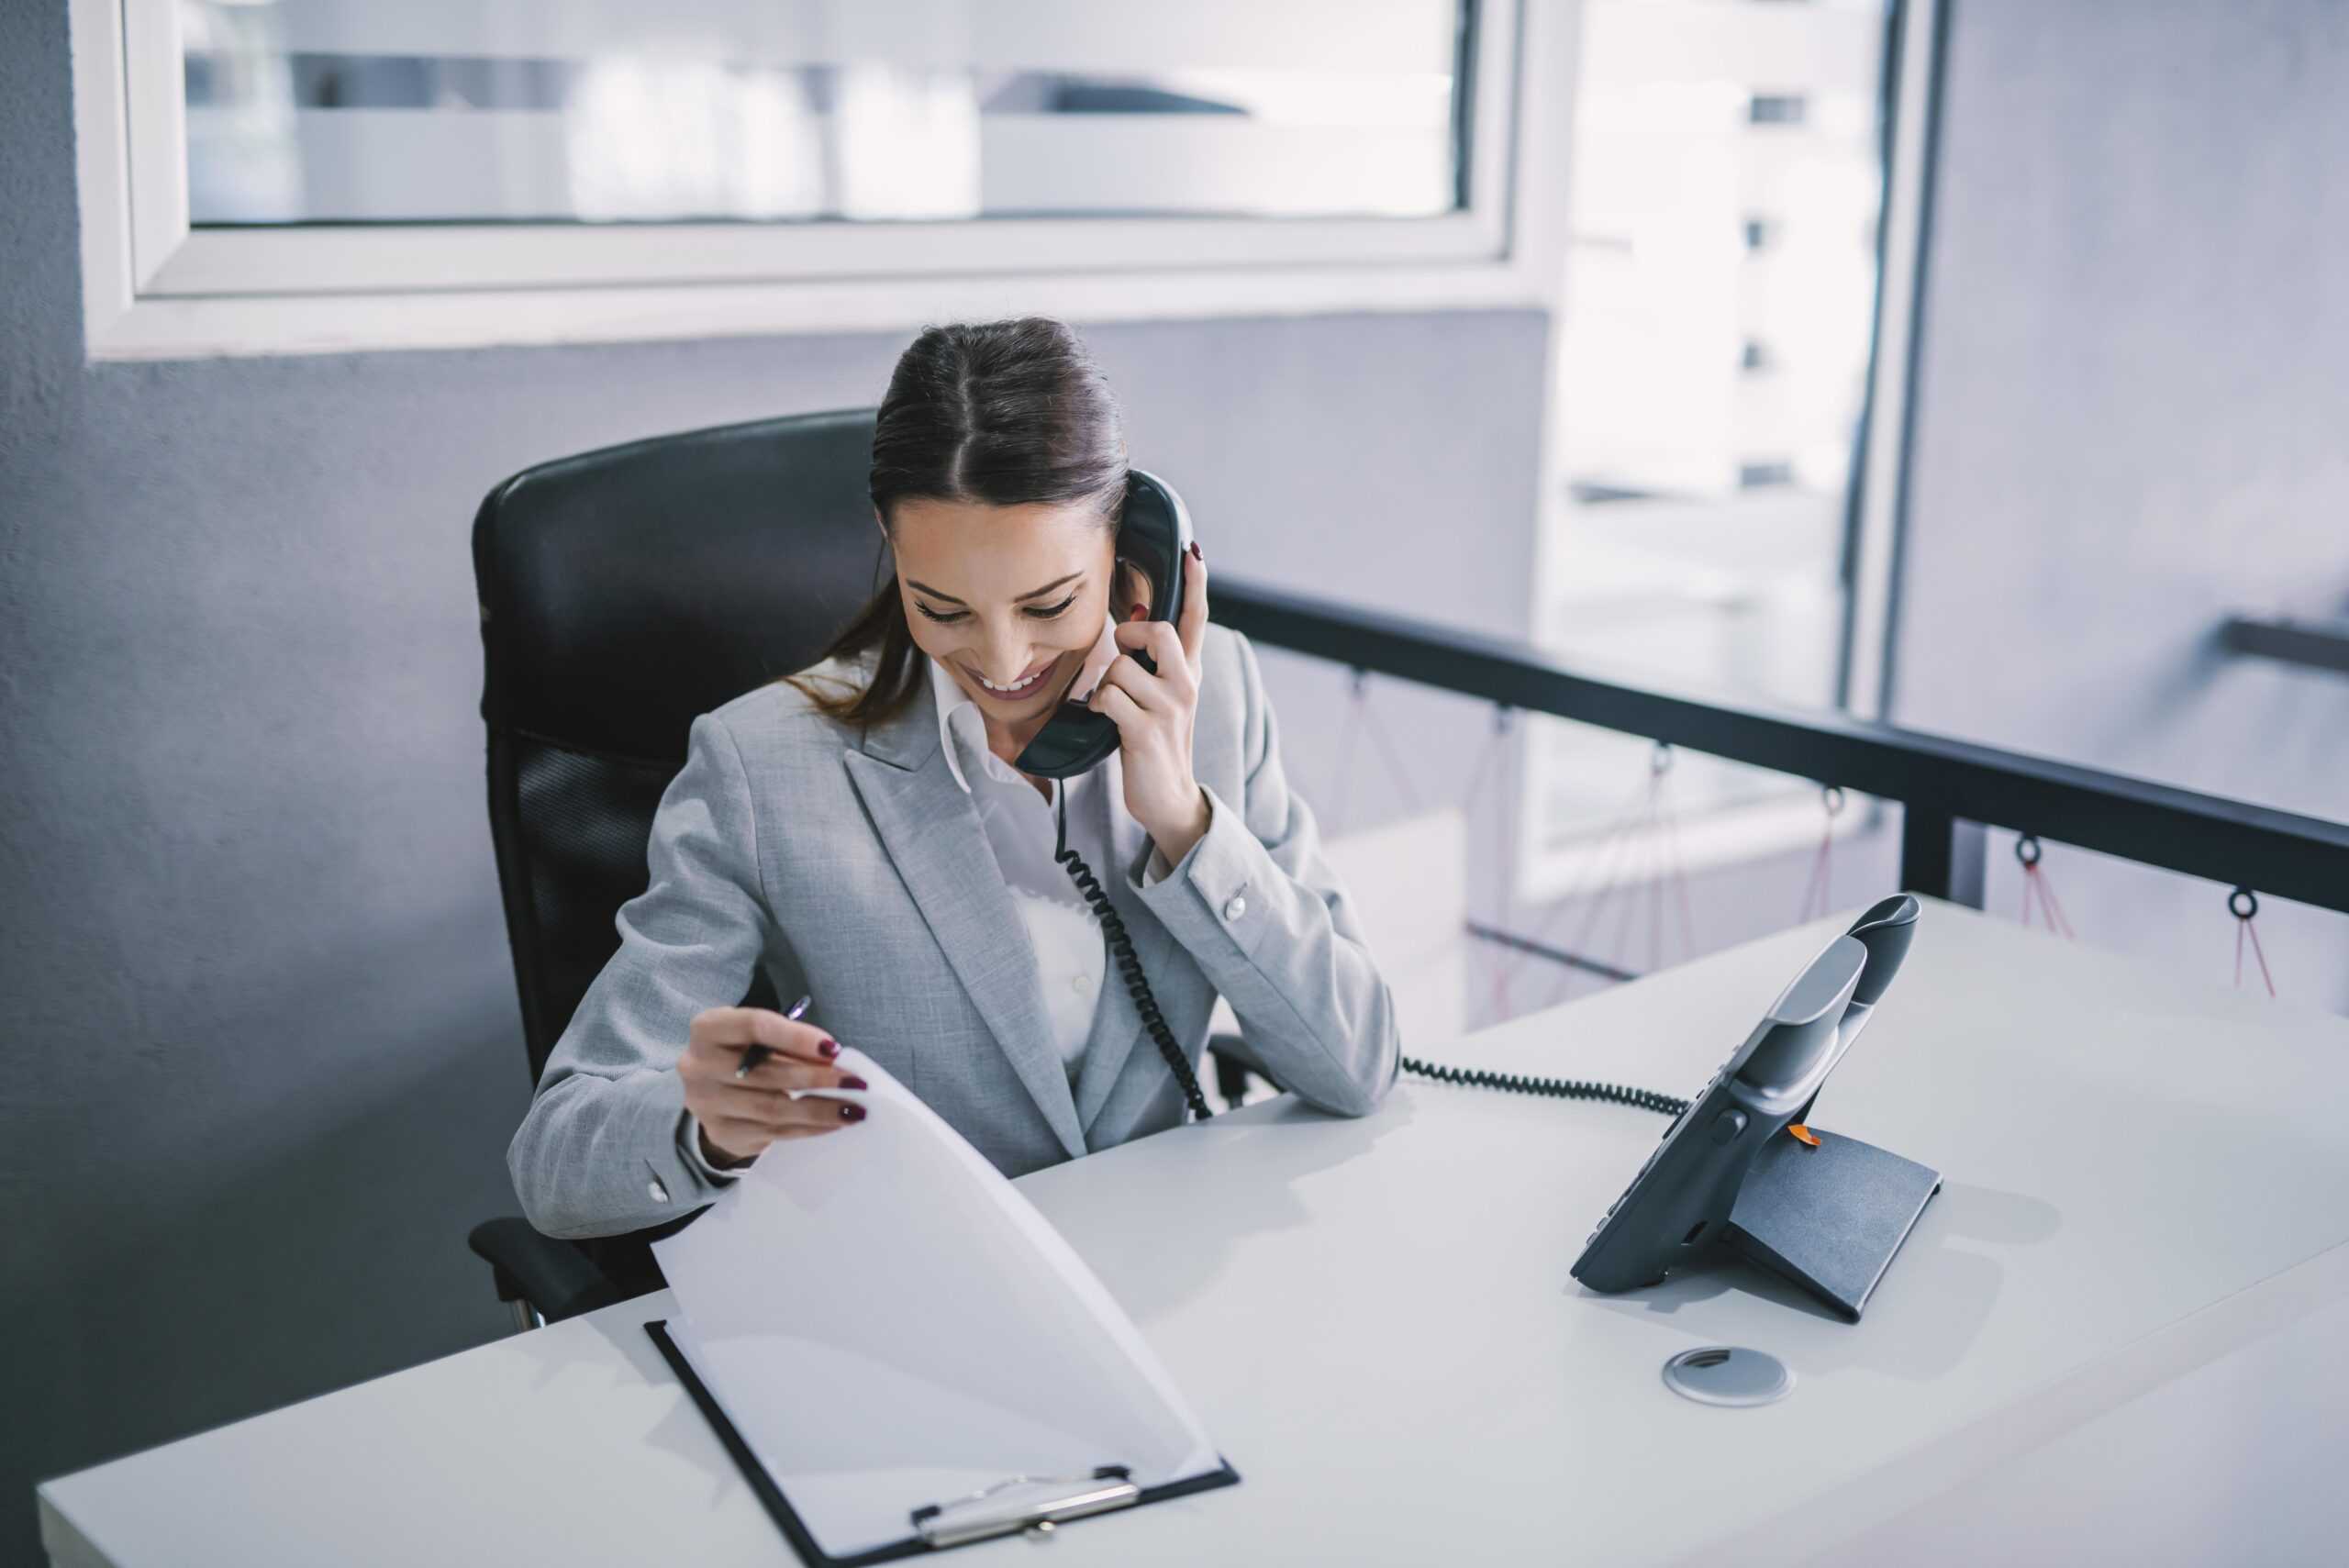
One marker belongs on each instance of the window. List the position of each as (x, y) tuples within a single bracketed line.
[(306, 112), (270, 173), (1717, 362)]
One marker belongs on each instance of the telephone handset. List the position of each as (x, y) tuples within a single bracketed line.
[(1153, 534)]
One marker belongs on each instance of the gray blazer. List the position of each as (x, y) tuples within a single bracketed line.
[(850, 866)]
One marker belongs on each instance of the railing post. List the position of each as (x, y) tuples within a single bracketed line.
[(1943, 856)]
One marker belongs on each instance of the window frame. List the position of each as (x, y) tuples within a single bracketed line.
[(156, 287)]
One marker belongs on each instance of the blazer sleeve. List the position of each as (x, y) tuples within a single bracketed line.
[(1257, 906), (602, 1148)]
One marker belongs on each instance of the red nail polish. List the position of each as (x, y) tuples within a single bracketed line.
[(1197, 553), (1137, 612), (851, 1113), (828, 1048), (851, 1080)]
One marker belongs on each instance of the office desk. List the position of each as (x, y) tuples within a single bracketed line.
[(1374, 1318)]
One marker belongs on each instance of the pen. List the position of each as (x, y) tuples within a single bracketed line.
[(757, 1053)]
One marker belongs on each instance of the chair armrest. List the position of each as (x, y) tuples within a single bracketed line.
[(551, 1275), (1232, 1065)]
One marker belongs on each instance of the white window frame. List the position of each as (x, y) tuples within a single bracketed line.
[(1549, 868), (154, 287)]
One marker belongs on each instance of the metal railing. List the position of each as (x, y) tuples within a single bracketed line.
[(1950, 789), (2309, 644)]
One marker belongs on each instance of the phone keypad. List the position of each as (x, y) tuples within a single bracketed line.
[(1656, 1153)]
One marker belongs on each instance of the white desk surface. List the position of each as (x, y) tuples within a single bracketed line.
[(2144, 1179)]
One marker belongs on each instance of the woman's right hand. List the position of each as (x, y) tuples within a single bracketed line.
[(739, 1118)]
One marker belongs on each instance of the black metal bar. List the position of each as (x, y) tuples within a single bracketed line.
[(1543, 950), (1898, 18), (2228, 842), (1941, 856), (1925, 851), (1913, 376), (1969, 864), (2311, 644)]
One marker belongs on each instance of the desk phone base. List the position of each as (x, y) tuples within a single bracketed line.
[(1830, 1217)]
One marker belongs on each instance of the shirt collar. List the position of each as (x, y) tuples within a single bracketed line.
[(965, 739), (948, 699), (962, 737)]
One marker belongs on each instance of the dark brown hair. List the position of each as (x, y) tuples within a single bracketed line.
[(999, 413)]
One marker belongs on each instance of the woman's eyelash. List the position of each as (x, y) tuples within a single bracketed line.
[(958, 615)]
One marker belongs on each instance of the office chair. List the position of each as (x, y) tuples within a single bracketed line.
[(623, 592)]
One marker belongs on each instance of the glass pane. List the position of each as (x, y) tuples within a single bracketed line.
[(353, 111), (1720, 296)]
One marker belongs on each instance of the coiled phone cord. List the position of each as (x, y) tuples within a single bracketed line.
[(1130, 967), (1122, 948), (1556, 1088)]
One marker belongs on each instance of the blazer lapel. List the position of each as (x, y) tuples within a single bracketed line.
[(931, 832), (1119, 1032)]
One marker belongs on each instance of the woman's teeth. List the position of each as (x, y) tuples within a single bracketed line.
[(1020, 689)]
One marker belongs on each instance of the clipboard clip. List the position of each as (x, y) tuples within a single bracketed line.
[(1036, 1503)]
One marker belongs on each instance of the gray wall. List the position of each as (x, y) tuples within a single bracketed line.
[(263, 1049), (2136, 389)]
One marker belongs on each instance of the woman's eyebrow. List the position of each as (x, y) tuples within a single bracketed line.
[(1030, 593)]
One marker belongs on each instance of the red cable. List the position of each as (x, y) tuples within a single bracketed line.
[(1620, 953), (1589, 855), (2243, 928), (1394, 758), (1680, 884), (1345, 765), (2057, 920), (1822, 875)]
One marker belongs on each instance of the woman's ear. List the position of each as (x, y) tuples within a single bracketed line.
[(1131, 587)]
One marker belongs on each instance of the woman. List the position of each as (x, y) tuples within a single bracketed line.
[(859, 831)]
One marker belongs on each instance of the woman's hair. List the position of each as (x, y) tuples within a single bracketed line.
[(999, 413)]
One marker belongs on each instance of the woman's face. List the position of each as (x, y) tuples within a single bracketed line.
[(1005, 597)]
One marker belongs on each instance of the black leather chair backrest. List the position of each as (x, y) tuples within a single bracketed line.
[(624, 592)]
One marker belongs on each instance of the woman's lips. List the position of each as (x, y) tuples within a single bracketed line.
[(1035, 680)]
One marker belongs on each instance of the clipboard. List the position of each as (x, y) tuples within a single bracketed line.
[(946, 1523), (901, 1354)]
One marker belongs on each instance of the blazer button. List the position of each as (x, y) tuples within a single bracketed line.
[(1237, 908), (658, 1193)]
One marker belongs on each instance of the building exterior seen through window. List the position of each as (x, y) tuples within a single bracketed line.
[(1725, 190), (596, 111)]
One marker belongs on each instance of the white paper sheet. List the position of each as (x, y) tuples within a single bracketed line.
[(889, 1323)]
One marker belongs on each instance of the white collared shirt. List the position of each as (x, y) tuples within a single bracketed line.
[(1071, 954), (1071, 951)]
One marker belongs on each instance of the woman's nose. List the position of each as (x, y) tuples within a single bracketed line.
[(1003, 662)]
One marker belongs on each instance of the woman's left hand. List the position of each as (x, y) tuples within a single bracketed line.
[(1154, 716)]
